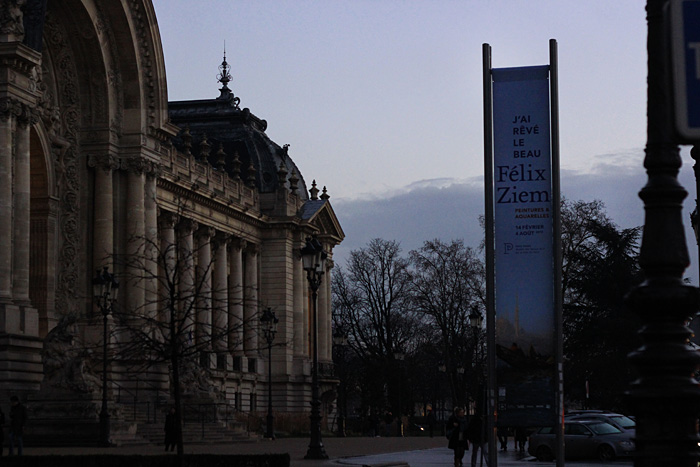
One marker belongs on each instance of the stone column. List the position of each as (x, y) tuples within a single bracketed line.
[(6, 151), (203, 286), (220, 293), (300, 286), (103, 223), (235, 298), (323, 317), (329, 312), (135, 235), (307, 309), (250, 324), (185, 261), (168, 247), (21, 217), (151, 245)]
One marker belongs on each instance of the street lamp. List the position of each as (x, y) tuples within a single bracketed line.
[(105, 289), (340, 340), (695, 223), (269, 321), (314, 262), (399, 357), (475, 321), (663, 395)]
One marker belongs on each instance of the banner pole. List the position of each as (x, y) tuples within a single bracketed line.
[(557, 251), (490, 276)]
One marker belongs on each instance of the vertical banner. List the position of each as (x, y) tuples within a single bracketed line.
[(525, 341)]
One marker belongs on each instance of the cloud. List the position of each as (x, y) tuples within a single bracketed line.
[(449, 208)]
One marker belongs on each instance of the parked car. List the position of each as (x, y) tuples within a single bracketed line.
[(617, 420), (583, 438)]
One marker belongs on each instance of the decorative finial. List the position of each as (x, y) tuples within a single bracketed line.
[(250, 181), (294, 182), (324, 194), (224, 77), (282, 174), (236, 166), (221, 158), (313, 191), (187, 140), (204, 147)]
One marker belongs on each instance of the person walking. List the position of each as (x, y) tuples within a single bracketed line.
[(2, 430), (502, 433), (520, 438), (457, 434), (18, 417), (475, 434), (431, 421), (170, 430)]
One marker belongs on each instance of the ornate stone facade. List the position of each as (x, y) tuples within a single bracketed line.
[(92, 158)]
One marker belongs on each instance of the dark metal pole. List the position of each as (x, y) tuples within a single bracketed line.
[(341, 393), (270, 419), (665, 398), (316, 449), (104, 413), (490, 407), (695, 222)]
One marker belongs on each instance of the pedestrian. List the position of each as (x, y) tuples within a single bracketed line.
[(431, 421), (388, 421), (520, 437), (502, 433), (2, 430), (457, 434), (18, 417), (170, 430), (475, 435)]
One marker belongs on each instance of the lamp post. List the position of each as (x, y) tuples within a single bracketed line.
[(269, 321), (399, 357), (475, 321), (695, 223), (665, 398), (314, 262), (104, 288), (340, 340), (442, 368)]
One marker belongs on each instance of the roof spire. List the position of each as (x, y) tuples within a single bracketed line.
[(224, 77)]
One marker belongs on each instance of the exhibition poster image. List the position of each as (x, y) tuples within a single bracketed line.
[(523, 258)]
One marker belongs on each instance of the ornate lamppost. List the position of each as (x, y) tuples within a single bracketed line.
[(269, 321), (399, 358), (314, 261), (475, 321), (695, 223), (105, 289), (665, 398), (340, 340)]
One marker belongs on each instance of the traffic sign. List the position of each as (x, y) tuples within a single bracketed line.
[(685, 42)]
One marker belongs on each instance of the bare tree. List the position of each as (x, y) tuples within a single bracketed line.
[(184, 318), (372, 302), (448, 289)]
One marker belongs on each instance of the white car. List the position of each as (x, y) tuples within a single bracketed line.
[(582, 439)]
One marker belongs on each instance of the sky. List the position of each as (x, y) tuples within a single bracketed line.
[(381, 101)]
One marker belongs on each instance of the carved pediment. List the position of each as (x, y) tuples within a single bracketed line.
[(320, 214)]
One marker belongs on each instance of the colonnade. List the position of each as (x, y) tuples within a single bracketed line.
[(18, 316)]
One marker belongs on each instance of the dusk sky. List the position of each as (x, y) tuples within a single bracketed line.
[(381, 101)]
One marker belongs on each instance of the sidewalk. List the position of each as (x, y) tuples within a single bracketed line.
[(352, 451)]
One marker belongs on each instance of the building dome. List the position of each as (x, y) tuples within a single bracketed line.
[(233, 139)]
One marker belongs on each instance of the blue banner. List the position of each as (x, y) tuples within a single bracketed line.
[(523, 258)]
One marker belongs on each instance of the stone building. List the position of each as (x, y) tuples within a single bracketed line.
[(92, 158)]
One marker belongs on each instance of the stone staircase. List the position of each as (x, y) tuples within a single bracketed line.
[(141, 429), (192, 433)]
